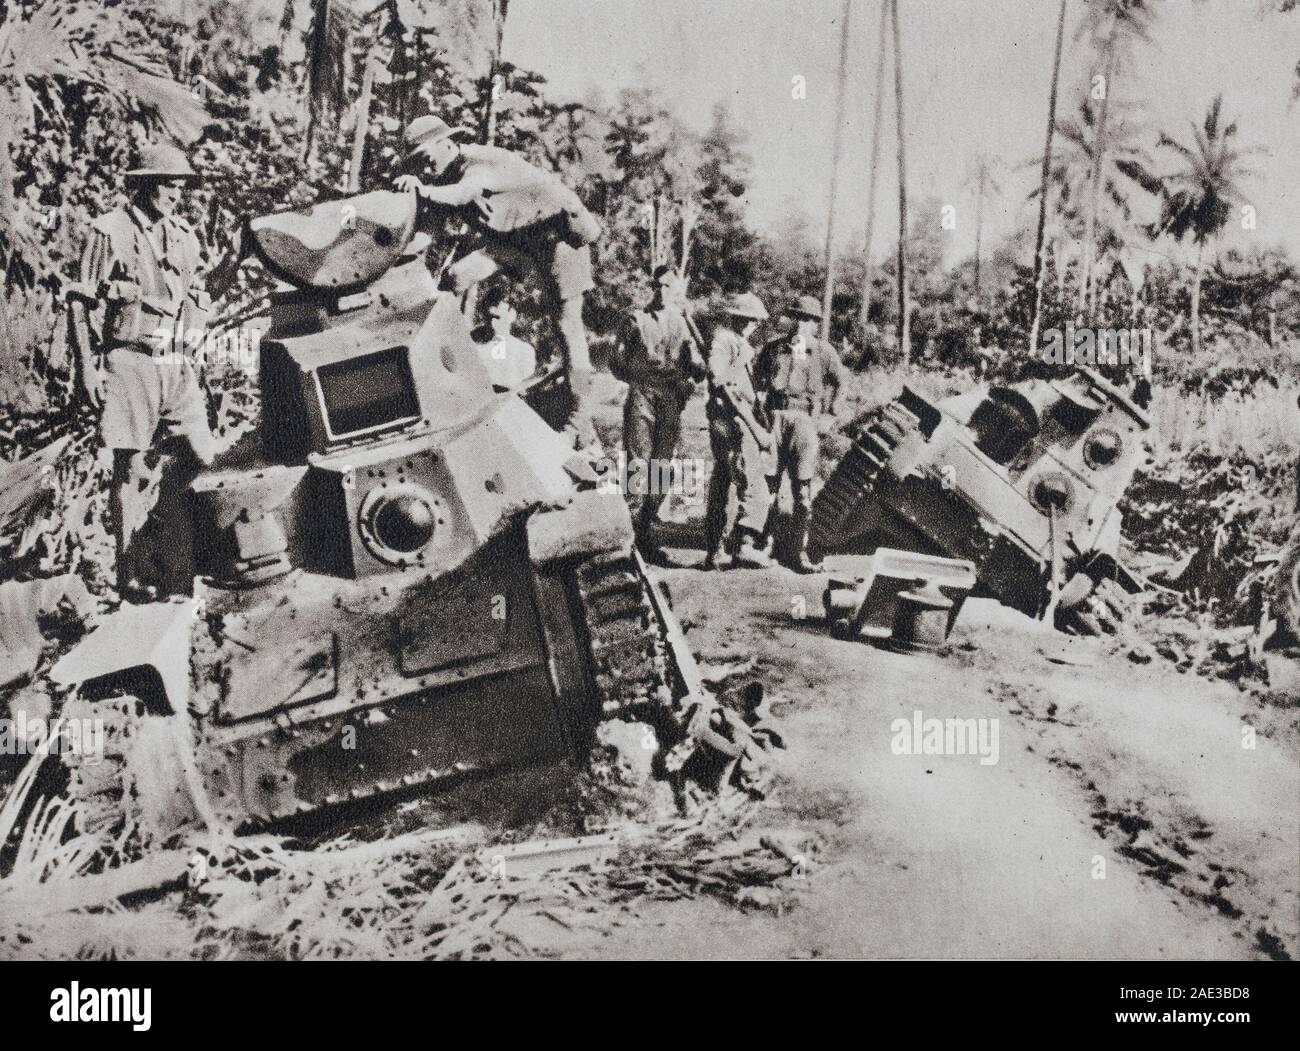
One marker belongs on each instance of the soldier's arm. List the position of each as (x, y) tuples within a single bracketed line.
[(218, 280), (85, 345), (745, 411), (464, 191), (833, 377)]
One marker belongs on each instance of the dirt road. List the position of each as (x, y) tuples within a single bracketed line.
[(1131, 812)]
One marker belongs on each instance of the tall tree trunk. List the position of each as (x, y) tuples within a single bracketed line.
[(875, 163), (1043, 181), (490, 115), (363, 124), (1096, 175), (904, 318), (979, 230), (1196, 298), (690, 218), (837, 142)]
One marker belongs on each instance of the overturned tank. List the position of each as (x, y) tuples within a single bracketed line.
[(1023, 484), (405, 578)]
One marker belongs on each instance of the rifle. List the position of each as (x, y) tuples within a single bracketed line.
[(762, 437), (81, 341)]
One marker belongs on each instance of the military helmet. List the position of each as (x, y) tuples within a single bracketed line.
[(806, 308), (163, 162), (744, 305), (425, 131)]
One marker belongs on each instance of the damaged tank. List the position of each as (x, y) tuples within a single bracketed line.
[(1023, 483), (405, 578)]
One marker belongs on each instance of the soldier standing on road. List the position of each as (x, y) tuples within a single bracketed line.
[(789, 378), (141, 266), (659, 357), (527, 221), (737, 436)]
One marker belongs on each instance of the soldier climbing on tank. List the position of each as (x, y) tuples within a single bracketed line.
[(737, 436), (788, 374), (525, 220), (139, 306), (659, 356)]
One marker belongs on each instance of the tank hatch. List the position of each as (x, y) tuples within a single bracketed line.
[(336, 244)]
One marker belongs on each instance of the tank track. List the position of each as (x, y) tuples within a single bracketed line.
[(631, 656), (855, 477), (641, 675)]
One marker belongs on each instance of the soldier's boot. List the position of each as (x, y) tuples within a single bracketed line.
[(643, 529), (802, 561), (764, 538), (748, 553)]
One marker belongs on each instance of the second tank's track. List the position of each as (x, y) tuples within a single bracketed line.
[(854, 480)]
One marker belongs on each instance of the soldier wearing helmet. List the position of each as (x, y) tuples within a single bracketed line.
[(738, 438), (789, 375), (140, 302), (526, 221)]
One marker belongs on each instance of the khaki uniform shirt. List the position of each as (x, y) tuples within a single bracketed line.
[(162, 260), (655, 347), (519, 200), (731, 362), (789, 372)]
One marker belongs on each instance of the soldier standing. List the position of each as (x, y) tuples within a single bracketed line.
[(527, 221), (140, 278), (737, 436), (789, 378), (658, 356)]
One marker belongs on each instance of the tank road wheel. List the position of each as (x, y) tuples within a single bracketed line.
[(1286, 589), (1093, 607), (852, 485)]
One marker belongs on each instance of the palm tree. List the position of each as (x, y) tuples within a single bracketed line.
[(1115, 28), (1199, 197), (904, 319), (1044, 180), (875, 163), (1083, 165), (983, 178)]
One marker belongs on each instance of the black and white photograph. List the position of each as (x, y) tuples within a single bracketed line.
[(611, 480)]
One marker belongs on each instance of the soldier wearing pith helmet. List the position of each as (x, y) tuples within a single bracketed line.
[(525, 221), (140, 305), (738, 436)]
